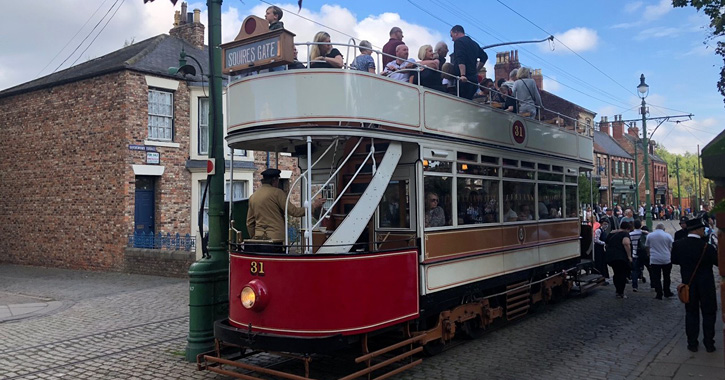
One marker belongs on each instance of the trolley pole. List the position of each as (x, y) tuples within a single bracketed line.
[(208, 277)]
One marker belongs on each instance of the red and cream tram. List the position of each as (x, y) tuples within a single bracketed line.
[(442, 214)]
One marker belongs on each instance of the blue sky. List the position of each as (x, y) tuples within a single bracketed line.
[(616, 42)]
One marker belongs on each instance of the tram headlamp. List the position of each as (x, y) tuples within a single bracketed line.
[(248, 297), (254, 295)]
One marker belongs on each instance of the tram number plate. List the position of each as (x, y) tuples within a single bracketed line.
[(256, 268), (519, 131)]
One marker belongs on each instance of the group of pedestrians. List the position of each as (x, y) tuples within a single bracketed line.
[(628, 248)]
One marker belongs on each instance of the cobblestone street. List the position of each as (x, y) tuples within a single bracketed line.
[(120, 326)]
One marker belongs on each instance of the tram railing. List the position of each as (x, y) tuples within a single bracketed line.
[(587, 129)]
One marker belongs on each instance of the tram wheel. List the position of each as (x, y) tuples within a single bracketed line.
[(433, 348), (472, 328)]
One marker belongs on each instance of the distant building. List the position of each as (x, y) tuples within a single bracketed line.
[(613, 169)]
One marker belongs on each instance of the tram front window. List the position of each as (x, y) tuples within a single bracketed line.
[(550, 201), (438, 201)]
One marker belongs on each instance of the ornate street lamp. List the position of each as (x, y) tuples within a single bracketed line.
[(643, 90)]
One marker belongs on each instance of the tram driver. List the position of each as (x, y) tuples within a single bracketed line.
[(265, 218)]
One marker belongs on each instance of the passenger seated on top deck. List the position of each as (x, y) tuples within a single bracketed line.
[(526, 92), (509, 103), (434, 214), (484, 92), (440, 53), (364, 61), (400, 69), (449, 79), (296, 64), (428, 78), (325, 55), (512, 78)]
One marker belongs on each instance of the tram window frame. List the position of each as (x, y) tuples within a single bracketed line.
[(466, 169), (528, 165), (567, 214), (468, 157), (429, 166), (510, 162), (517, 201), (473, 214), (544, 167), (557, 168), (406, 203), (154, 114), (427, 189), (540, 187), (491, 160)]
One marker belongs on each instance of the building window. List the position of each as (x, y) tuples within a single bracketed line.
[(239, 191), (161, 115), (614, 168), (203, 126)]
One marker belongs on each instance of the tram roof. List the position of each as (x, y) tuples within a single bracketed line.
[(151, 56)]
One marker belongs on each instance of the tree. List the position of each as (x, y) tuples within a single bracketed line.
[(715, 9), (585, 190)]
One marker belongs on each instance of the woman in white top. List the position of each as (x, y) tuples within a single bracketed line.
[(526, 92)]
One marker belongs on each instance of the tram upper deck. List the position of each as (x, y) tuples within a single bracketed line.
[(350, 98)]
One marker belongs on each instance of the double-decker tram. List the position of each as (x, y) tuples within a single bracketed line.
[(442, 216)]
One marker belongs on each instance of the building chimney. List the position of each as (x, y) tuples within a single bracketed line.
[(633, 130), (188, 27), (617, 127), (538, 78), (505, 62), (604, 125)]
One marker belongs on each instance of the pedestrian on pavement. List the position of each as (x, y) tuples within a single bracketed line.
[(619, 256), (659, 243), (682, 233), (600, 238), (696, 258)]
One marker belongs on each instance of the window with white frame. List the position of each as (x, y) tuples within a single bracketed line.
[(161, 115), (239, 192), (203, 126)]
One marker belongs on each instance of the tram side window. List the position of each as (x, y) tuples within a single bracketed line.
[(550, 201), (572, 210), (518, 202), (477, 201), (438, 201), (394, 209)]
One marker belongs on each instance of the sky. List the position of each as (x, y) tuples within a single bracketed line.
[(600, 51)]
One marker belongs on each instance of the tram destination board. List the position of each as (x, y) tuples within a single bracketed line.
[(260, 52)]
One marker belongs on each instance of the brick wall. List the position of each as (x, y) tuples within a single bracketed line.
[(158, 262), (62, 187)]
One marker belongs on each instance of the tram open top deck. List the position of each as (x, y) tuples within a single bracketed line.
[(354, 99)]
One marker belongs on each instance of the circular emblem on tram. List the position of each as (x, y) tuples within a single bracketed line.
[(250, 25), (519, 131), (521, 234)]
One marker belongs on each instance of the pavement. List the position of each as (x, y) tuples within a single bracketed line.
[(68, 324)]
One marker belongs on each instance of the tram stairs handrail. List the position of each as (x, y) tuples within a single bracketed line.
[(307, 202), (419, 67)]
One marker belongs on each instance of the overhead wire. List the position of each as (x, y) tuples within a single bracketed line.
[(72, 38), (476, 25), (99, 33), (87, 36)]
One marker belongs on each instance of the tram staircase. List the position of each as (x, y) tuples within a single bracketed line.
[(352, 215)]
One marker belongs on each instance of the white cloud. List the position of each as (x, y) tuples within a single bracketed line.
[(577, 39), (657, 32), (624, 25), (653, 12), (633, 6)]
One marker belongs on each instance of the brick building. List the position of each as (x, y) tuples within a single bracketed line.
[(632, 143), (613, 169), (109, 147)]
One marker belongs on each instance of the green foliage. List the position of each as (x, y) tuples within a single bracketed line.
[(688, 172), (715, 9), (585, 190)]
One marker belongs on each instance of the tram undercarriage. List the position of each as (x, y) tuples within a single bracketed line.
[(472, 311)]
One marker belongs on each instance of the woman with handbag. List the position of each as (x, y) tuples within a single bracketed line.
[(696, 258)]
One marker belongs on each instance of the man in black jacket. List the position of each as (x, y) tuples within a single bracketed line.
[(468, 58), (687, 253), (681, 234)]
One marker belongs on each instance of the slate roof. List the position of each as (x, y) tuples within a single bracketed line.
[(608, 145), (152, 56)]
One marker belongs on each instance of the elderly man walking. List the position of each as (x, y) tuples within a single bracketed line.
[(659, 243)]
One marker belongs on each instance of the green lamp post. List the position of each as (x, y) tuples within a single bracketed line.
[(643, 90)]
